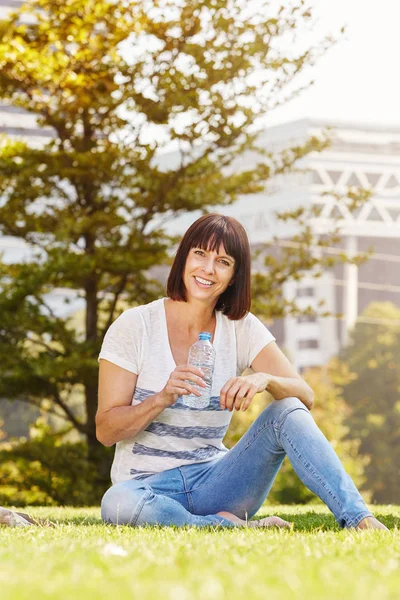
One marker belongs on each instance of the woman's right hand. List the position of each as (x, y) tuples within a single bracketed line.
[(180, 383)]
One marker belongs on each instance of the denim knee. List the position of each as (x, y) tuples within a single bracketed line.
[(277, 407), (290, 402), (123, 502)]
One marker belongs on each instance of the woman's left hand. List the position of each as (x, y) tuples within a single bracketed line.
[(238, 392)]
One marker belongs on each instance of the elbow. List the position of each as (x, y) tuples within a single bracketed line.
[(101, 435), (310, 398), (103, 439)]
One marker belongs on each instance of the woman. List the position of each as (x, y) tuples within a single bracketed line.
[(170, 465)]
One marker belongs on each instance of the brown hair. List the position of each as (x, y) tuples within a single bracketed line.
[(208, 233)]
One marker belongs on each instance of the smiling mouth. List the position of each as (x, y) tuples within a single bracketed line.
[(204, 281)]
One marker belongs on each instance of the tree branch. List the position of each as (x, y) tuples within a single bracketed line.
[(70, 415), (117, 294)]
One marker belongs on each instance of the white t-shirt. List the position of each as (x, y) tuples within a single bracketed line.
[(138, 342)]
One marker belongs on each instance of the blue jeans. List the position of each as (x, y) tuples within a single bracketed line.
[(240, 481)]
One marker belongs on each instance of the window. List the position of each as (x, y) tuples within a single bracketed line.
[(373, 178), (306, 319), (353, 180), (305, 292), (334, 176), (307, 344), (316, 178), (392, 182)]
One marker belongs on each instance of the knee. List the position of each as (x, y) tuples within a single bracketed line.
[(286, 405), (278, 410), (291, 402), (122, 503)]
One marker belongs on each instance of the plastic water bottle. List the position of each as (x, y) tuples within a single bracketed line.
[(202, 356)]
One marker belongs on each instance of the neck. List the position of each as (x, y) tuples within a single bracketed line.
[(193, 316)]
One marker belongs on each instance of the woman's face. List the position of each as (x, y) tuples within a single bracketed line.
[(208, 273)]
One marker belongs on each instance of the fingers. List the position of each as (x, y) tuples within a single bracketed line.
[(239, 397), (174, 389), (184, 380), (181, 387), (189, 369), (237, 394), (248, 399), (224, 392), (189, 373)]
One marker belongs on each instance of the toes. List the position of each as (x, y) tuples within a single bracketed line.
[(275, 522)]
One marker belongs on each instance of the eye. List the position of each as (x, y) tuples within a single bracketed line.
[(199, 252), (225, 262)]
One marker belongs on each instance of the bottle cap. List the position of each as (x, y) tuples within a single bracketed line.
[(205, 335)]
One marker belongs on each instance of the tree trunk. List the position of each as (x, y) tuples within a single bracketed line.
[(91, 337), (98, 456)]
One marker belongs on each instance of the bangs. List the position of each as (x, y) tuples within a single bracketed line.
[(213, 234)]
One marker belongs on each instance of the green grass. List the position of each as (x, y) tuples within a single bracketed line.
[(82, 559)]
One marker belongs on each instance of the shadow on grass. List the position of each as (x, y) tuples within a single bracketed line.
[(86, 521), (307, 522), (313, 521)]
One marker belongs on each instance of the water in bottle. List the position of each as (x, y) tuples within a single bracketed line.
[(202, 356)]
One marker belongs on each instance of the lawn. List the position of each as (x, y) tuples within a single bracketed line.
[(82, 559)]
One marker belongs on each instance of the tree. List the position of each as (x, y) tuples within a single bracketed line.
[(373, 395), (113, 83)]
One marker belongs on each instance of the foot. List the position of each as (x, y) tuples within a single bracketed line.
[(272, 522), (267, 522), (28, 518), (371, 523), (12, 519)]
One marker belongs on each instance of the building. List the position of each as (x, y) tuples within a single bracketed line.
[(6, 6), (360, 155)]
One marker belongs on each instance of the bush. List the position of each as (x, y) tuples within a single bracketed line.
[(48, 471), (373, 355)]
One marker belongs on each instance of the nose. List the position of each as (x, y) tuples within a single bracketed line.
[(209, 266)]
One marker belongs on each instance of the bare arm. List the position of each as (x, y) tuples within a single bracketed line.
[(273, 373), (116, 419), (283, 379)]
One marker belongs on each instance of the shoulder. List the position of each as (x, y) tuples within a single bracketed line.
[(140, 314), (252, 330), (251, 337), (131, 316), (248, 322), (128, 324)]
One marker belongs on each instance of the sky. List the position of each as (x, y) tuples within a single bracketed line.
[(358, 80)]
